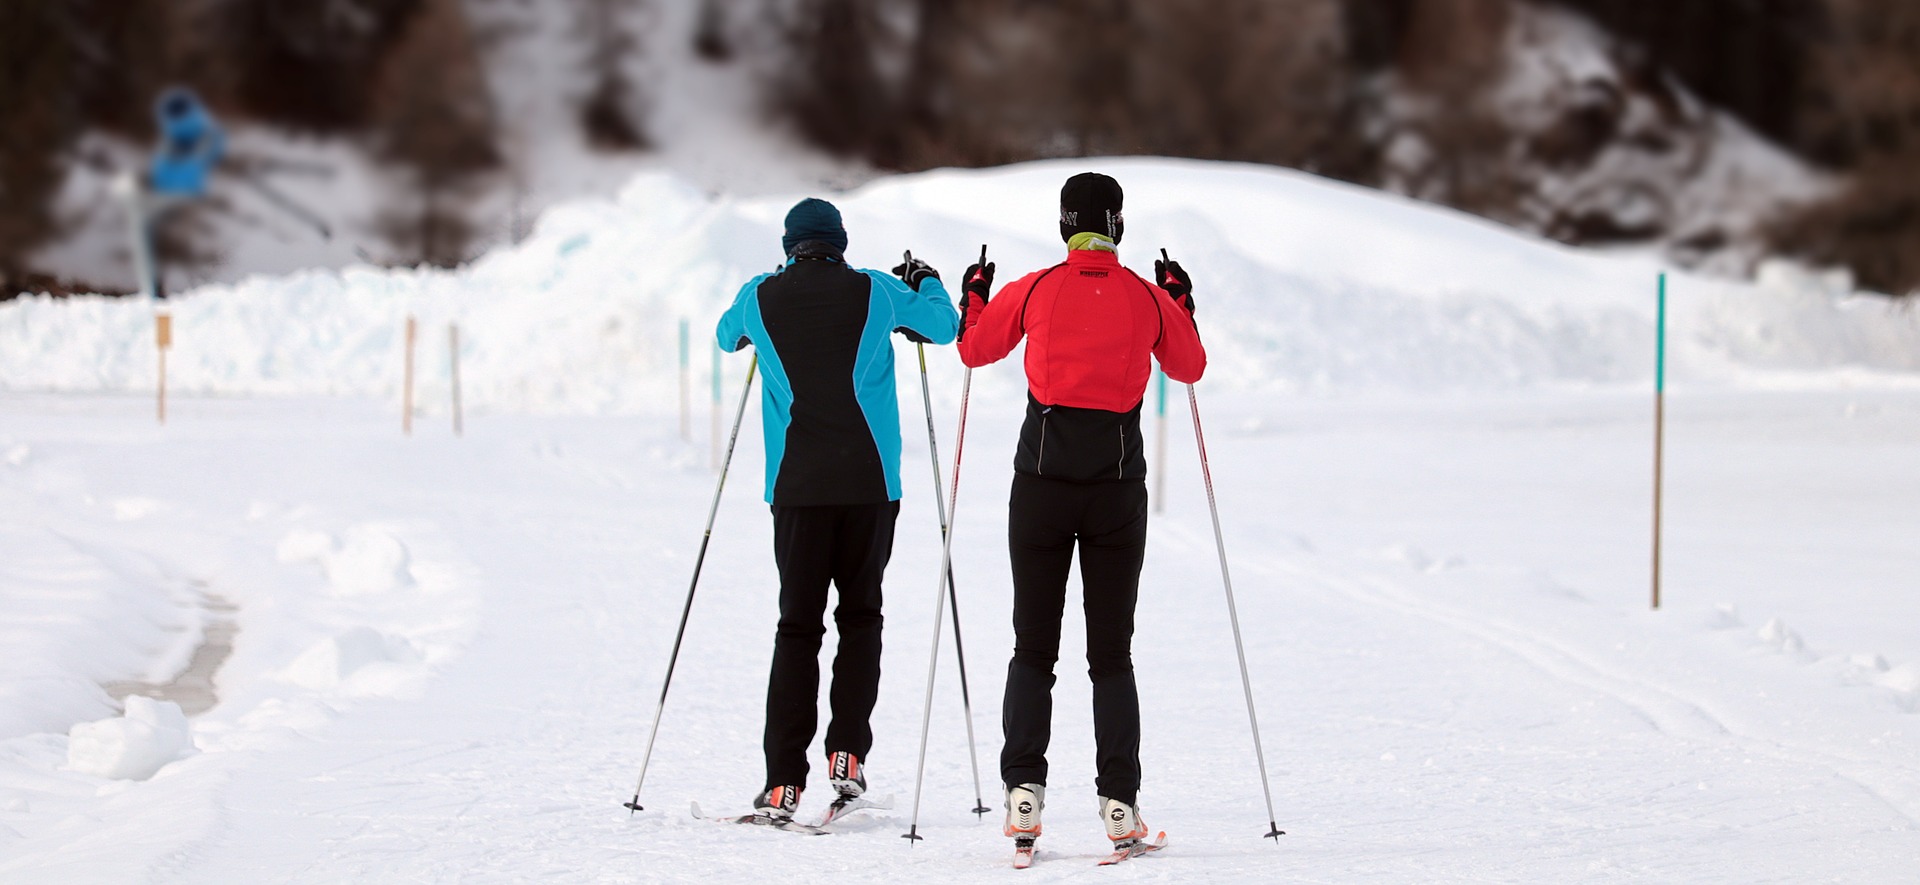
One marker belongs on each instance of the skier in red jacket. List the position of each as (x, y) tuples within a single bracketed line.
[(1092, 329)]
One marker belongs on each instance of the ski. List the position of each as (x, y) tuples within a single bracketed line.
[(1135, 850), (761, 820), (1022, 852), (846, 805)]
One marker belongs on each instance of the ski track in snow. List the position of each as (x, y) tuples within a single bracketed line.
[(1664, 708)]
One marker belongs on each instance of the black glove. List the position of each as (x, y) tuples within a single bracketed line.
[(979, 279), (973, 294), (913, 336), (1174, 279), (912, 270), (743, 342)]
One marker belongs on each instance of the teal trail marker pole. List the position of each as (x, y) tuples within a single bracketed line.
[(1659, 426), (686, 385), (1160, 443)]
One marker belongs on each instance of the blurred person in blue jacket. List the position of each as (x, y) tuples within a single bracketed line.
[(190, 144)]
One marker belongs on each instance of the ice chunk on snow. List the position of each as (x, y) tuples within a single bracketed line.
[(1724, 616), (134, 746), (369, 561), (363, 560), (336, 659), (1776, 634)]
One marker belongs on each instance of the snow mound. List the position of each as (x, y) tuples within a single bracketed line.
[(133, 747), (1303, 285), (364, 560), (1775, 634), (333, 662)]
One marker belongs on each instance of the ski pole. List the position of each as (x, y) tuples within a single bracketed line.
[(127, 186), (953, 598), (288, 205), (1246, 683), (687, 609), (944, 583)]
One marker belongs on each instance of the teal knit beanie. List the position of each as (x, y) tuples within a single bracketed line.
[(814, 219)]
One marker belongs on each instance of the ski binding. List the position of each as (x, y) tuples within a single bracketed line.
[(760, 820), (1023, 852), (1136, 849), (846, 805)]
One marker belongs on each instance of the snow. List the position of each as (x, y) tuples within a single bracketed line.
[(134, 746), (1430, 439)]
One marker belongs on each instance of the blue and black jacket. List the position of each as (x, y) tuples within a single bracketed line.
[(829, 408), (190, 144)]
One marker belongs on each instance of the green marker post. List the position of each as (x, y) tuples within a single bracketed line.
[(1659, 425), (1160, 443)]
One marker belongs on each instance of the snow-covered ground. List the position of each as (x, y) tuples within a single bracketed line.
[(436, 658)]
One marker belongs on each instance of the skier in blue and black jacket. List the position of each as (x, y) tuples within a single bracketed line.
[(191, 145), (822, 329)]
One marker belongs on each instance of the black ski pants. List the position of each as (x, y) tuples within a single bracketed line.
[(847, 546), (1046, 520)]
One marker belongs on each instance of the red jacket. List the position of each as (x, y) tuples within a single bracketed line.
[(1090, 324), (1092, 328)]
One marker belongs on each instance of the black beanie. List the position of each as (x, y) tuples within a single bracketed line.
[(814, 219), (1090, 203)]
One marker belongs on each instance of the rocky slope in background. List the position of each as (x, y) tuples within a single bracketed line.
[(1529, 112)]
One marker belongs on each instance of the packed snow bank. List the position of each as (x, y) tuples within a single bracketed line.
[(134, 746), (1303, 284), (73, 616)]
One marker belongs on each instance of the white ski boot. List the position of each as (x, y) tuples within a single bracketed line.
[(1024, 804), (1127, 830)]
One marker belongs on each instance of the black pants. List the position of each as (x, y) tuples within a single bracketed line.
[(1108, 521), (848, 546)]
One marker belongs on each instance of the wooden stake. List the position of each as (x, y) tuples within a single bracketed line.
[(1659, 427), (406, 389), (453, 354), (163, 339)]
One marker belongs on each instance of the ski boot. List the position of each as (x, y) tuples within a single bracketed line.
[(1128, 832), (849, 781), (845, 775), (777, 803), (1024, 804), (1123, 823)]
